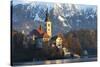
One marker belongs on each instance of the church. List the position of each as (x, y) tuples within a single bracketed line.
[(40, 35), (48, 33)]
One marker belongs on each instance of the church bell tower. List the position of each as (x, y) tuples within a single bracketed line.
[(48, 25)]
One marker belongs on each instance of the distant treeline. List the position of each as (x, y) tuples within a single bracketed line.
[(75, 41)]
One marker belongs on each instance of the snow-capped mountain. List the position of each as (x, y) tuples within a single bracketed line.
[(64, 17)]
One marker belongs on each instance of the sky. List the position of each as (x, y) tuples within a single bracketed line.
[(19, 1)]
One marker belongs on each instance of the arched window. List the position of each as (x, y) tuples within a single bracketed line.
[(48, 25)]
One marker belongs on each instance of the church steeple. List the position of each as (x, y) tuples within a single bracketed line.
[(48, 24), (47, 16)]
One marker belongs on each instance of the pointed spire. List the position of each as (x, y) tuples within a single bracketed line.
[(40, 27), (47, 16)]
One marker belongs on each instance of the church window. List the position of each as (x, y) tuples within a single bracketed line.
[(48, 29), (48, 24)]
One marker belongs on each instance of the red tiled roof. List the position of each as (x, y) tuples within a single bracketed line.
[(40, 31)]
